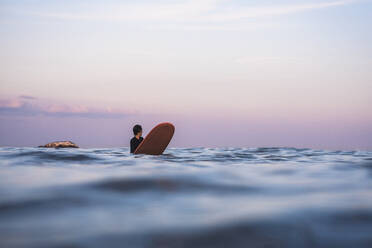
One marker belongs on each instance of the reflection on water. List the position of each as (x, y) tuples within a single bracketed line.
[(195, 197)]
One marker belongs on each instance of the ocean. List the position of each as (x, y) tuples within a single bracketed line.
[(188, 197)]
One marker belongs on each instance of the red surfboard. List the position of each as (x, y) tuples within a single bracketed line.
[(157, 140)]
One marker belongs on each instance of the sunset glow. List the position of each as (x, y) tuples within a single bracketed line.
[(226, 73)]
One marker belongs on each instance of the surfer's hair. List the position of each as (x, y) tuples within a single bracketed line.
[(136, 129)]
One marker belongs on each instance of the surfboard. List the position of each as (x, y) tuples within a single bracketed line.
[(157, 140)]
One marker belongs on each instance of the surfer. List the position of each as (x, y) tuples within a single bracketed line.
[(137, 139)]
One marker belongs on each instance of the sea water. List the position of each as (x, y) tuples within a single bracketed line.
[(197, 197)]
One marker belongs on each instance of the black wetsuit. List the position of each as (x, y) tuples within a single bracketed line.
[(134, 142)]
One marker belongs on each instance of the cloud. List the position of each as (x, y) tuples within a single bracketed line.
[(26, 106), (192, 15), (275, 10), (264, 60), (27, 97), (194, 11), (137, 11)]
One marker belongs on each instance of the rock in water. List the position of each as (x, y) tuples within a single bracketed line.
[(61, 144)]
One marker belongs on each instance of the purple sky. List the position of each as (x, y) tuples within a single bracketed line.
[(30, 122), (226, 73)]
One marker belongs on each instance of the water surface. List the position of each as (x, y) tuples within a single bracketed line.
[(199, 197)]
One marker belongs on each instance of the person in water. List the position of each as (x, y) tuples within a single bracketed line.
[(137, 139)]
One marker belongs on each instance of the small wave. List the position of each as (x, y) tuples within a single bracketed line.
[(40, 156), (48, 203), (266, 150), (197, 197), (171, 185), (306, 230)]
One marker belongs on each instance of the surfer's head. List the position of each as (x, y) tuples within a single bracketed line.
[(137, 130)]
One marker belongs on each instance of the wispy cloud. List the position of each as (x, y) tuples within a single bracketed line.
[(138, 11), (194, 15), (30, 106), (274, 10), (27, 97), (191, 11), (264, 60)]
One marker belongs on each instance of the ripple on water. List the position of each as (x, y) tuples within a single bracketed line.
[(173, 185), (193, 197)]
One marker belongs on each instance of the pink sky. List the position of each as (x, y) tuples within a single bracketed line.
[(227, 73), (28, 121)]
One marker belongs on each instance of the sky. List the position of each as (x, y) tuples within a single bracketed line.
[(227, 73)]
